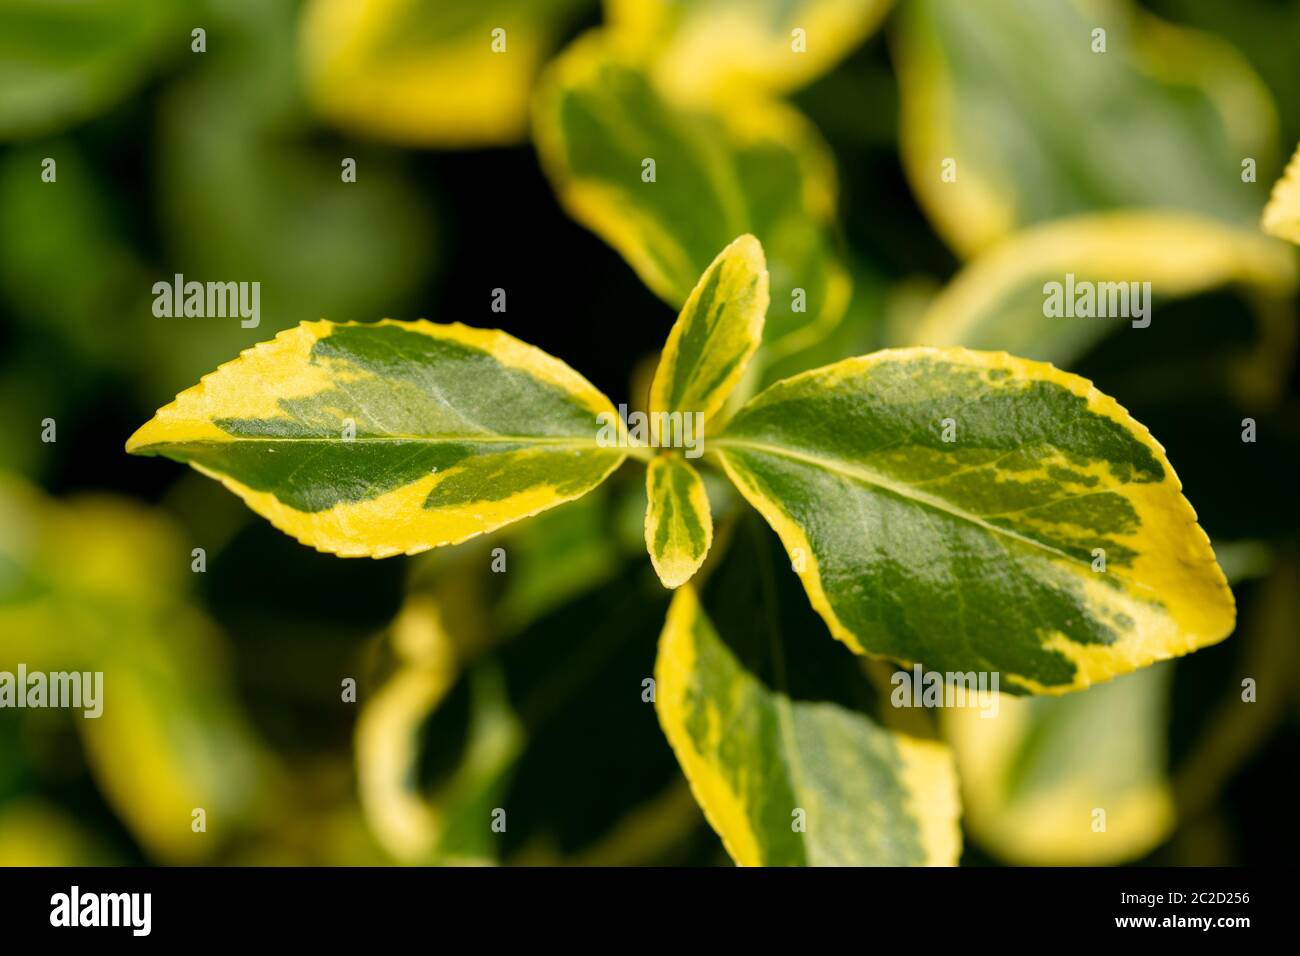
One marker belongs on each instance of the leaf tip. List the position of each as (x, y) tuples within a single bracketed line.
[(673, 575), (140, 439)]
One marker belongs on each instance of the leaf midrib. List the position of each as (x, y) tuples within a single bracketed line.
[(898, 489), (427, 439)]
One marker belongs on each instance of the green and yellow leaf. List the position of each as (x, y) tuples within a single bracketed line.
[(710, 47), (428, 72), (776, 734), (1008, 117), (1282, 214), (1068, 781), (716, 334), (973, 511), (678, 523), (758, 168), (997, 301), (392, 437)]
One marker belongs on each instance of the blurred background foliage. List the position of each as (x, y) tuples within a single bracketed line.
[(520, 170)]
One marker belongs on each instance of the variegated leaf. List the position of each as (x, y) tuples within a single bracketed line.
[(668, 186), (719, 329), (775, 729), (972, 511), (391, 438), (678, 523)]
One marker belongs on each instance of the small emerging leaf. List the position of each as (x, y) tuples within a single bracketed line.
[(716, 334), (678, 523), (972, 511), (392, 437), (776, 734), (1282, 214)]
